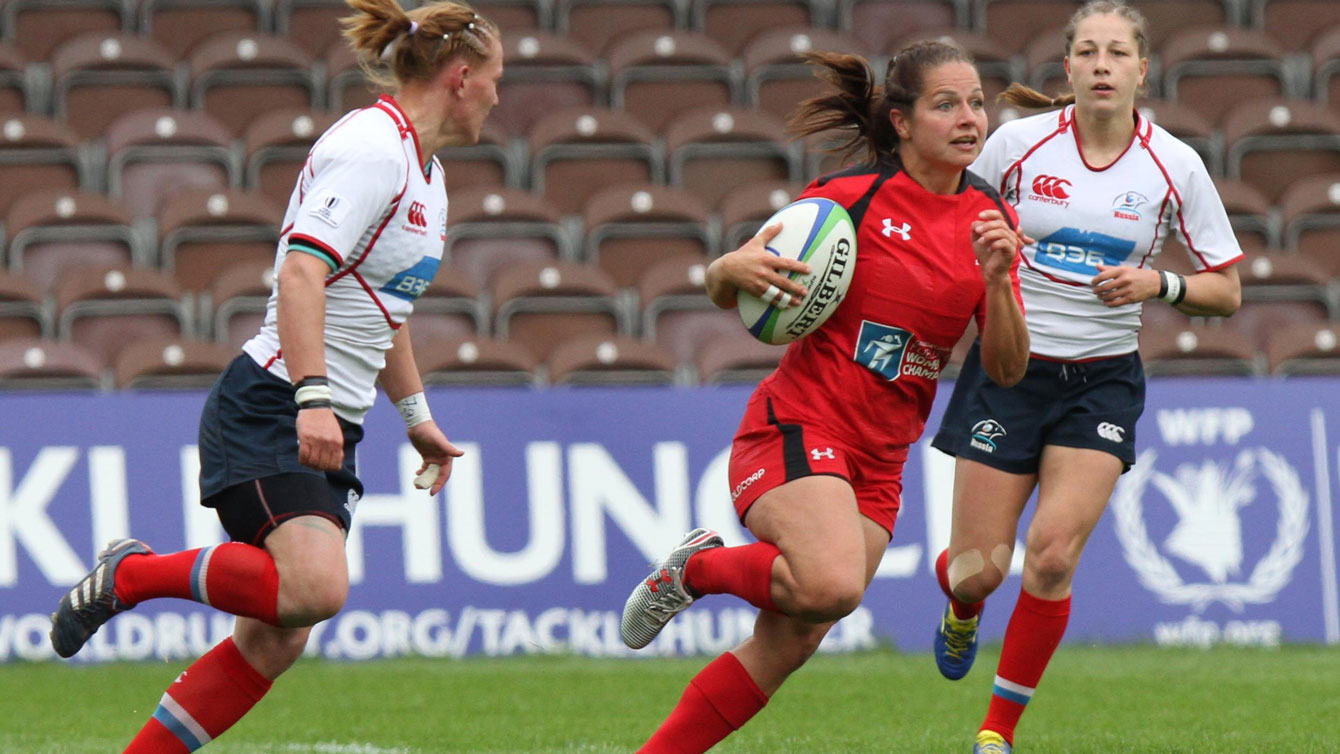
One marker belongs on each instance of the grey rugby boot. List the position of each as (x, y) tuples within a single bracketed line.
[(662, 595), (93, 601)]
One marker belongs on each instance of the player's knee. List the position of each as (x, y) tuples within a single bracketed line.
[(313, 601), (806, 643), (828, 598), (1051, 564), (973, 578)]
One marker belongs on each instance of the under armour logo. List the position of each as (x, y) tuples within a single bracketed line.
[(1109, 431), (816, 454), (905, 231)]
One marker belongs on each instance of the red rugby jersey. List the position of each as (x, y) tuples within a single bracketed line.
[(869, 373)]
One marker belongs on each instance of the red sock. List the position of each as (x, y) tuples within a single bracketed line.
[(232, 577), (962, 610), (1030, 640), (745, 572), (720, 699), (215, 692)]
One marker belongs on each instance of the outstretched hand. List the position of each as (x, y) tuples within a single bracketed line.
[(435, 450)]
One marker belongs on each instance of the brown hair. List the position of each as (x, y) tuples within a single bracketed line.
[(396, 46), (1024, 96), (860, 106)]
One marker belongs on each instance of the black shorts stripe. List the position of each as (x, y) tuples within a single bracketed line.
[(796, 462)]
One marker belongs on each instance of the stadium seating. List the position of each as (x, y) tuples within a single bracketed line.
[(99, 76), (609, 360), (45, 364), (635, 140), (170, 363)]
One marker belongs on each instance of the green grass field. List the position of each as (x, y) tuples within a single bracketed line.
[(1134, 699)]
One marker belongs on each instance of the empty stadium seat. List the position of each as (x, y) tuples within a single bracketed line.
[(1255, 222), (658, 75), (631, 226), (234, 303), (24, 312), (37, 153), (871, 20), (36, 27), (576, 152), (596, 23), (545, 72), (1044, 57), (776, 79), (1003, 20), (237, 76), (1295, 24), (609, 360), (473, 361), (518, 15), (313, 25), (40, 364), (16, 88), (1270, 143), (1197, 350), (739, 359), (170, 363), (540, 304), (674, 284), (997, 63), (51, 231), (489, 163), (744, 210), (491, 229), (180, 25), (346, 86), (99, 76), (276, 146), (1326, 68), (1200, 64), (1165, 17), (161, 152), (712, 151), (1310, 215), (105, 308), (734, 24), (1305, 349), (202, 232)]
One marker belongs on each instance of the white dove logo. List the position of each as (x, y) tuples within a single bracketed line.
[(905, 231), (1207, 499)]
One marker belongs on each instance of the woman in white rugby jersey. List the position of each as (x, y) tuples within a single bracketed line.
[(1099, 187), (362, 237)]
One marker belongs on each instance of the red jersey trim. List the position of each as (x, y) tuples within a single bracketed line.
[(1017, 167), (1135, 134), (278, 355), (392, 108), (394, 325)]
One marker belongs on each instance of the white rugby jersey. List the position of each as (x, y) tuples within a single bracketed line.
[(366, 206), (1083, 215)]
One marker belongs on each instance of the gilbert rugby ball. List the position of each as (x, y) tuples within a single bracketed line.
[(818, 232)]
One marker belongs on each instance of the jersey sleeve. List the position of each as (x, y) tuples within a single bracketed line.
[(352, 184), (1201, 222)]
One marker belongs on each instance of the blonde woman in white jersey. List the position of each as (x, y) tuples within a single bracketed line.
[(362, 238), (1100, 188)]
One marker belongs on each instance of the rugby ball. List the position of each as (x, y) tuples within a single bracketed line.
[(818, 232)]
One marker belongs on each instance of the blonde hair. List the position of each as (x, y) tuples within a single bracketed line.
[(396, 46), (1024, 96), (859, 106)]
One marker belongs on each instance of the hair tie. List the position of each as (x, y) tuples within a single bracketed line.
[(413, 27), (470, 26)]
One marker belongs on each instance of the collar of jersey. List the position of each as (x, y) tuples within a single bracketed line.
[(388, 104)]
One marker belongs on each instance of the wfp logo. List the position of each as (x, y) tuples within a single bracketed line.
[(984, 434), (1207, 499), (880, 348), (1110, 432)]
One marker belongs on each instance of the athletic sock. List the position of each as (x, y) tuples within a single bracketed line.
[(744, 571), (233, 577), (962, 610), (204, 701), (717, 702), (1035, 629)]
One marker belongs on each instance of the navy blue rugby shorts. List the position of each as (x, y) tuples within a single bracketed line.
[(249, 468), (1087, 404)]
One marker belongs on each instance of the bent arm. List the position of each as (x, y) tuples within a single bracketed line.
[(1216, 293), (1005, 340)]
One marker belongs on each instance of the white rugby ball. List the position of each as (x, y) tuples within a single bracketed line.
[(818, 232)]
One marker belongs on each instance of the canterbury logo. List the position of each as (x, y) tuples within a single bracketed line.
[(1110, 432), (416, 216), (1051, 186)]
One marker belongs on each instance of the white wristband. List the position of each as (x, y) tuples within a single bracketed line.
[(414, 409), (308, 393)]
